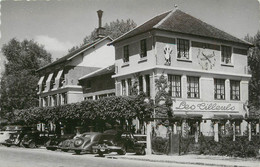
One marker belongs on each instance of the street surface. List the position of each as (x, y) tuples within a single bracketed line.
[(22, 157)]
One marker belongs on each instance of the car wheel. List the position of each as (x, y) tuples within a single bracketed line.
[(64, 150), (77, 152), (141, 152), (100, 154), (21, 144), (32, 144), (122, 151)]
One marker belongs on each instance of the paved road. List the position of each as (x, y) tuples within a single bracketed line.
[(22, 157)]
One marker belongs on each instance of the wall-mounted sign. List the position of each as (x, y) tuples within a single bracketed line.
[(205, 106), (206, 59), (167, 55)]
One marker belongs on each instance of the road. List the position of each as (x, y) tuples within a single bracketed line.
[(22, 157)]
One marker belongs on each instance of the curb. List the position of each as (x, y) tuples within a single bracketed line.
[(177, 162)]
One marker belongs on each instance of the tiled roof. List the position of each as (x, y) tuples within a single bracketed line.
[(99, 72), (72, 54), (180, 22)]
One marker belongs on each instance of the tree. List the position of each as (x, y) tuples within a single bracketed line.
[(114, 29), (19, 80), (254, 64), (163, 100)]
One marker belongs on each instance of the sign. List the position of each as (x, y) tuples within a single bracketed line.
[(205, 106)]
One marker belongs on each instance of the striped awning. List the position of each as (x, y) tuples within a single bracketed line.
[(41, 80)]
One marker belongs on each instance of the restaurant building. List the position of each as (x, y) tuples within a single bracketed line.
[(206, 68)]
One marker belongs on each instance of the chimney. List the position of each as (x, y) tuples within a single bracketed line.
[(100, 29)]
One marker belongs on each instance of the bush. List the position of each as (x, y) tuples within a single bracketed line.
[(160, 145)]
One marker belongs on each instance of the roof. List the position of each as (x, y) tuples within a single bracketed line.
[(75, 53), (99, 72), (180, 22)]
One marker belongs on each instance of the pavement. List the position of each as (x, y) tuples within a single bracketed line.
[(203, 160)]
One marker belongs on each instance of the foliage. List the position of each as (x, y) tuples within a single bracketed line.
[(163, 100), (19, 80), (227, 147), (254, 64), (110, 109), (114, 29), (160, 145)]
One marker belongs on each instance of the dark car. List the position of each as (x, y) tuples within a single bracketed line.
[(120, 142), (85, 141), (16, 138), (34, 139), (55, 142)]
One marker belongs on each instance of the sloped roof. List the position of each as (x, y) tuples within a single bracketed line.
[(180, 22), (99, 72), (75, 52)]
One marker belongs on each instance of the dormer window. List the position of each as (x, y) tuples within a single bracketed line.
[(143, 52), (183, 49), (126, 54), (226, 53)]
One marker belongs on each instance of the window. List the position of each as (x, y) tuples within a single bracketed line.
[(219, 85), (183, 48), (175, 85), (143, 48), (193, 87), (126, 54), (141, 88), (129, 83), (65, 100), (50, 100), (147, 81), (226, 54), (123, 88), (235, 90)]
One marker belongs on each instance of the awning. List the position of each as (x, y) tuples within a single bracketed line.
[(49, 77), (220, 116), (236, 116), (59, 75), (41, 80)]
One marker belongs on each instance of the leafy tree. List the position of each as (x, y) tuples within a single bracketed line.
[(254, 64), (19, 80), (163, 100), (114, 29)]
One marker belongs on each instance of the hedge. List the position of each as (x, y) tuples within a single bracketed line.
[(110, 108)]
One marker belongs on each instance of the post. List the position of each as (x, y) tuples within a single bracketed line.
[(197, 133), (234, 130), (216, 138), (148, 139), (249, 131), (175, 128), (257, 128)]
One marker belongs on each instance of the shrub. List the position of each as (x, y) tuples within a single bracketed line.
[(160, 145)]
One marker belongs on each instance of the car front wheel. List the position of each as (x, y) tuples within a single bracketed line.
[(32, 145), (122, 151), (77, 152)]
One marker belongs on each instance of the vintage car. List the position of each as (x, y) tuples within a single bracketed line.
[(85, 141), (6, 132), (55, 142), (120, 142), (66, 144), (16, 138), (34, 139)]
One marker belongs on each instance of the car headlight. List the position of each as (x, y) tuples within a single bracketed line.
[(78, 142)]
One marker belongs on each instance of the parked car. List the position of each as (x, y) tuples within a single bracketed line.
[(6, 132), (66, 144), (55, 142), (85, 141), (120, 142), (34, 139), (16, 138)]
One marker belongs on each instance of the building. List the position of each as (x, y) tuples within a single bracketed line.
[(99, 83), (59, 80), (206, 67)]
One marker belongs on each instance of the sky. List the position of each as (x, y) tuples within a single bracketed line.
[(61, 24)]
